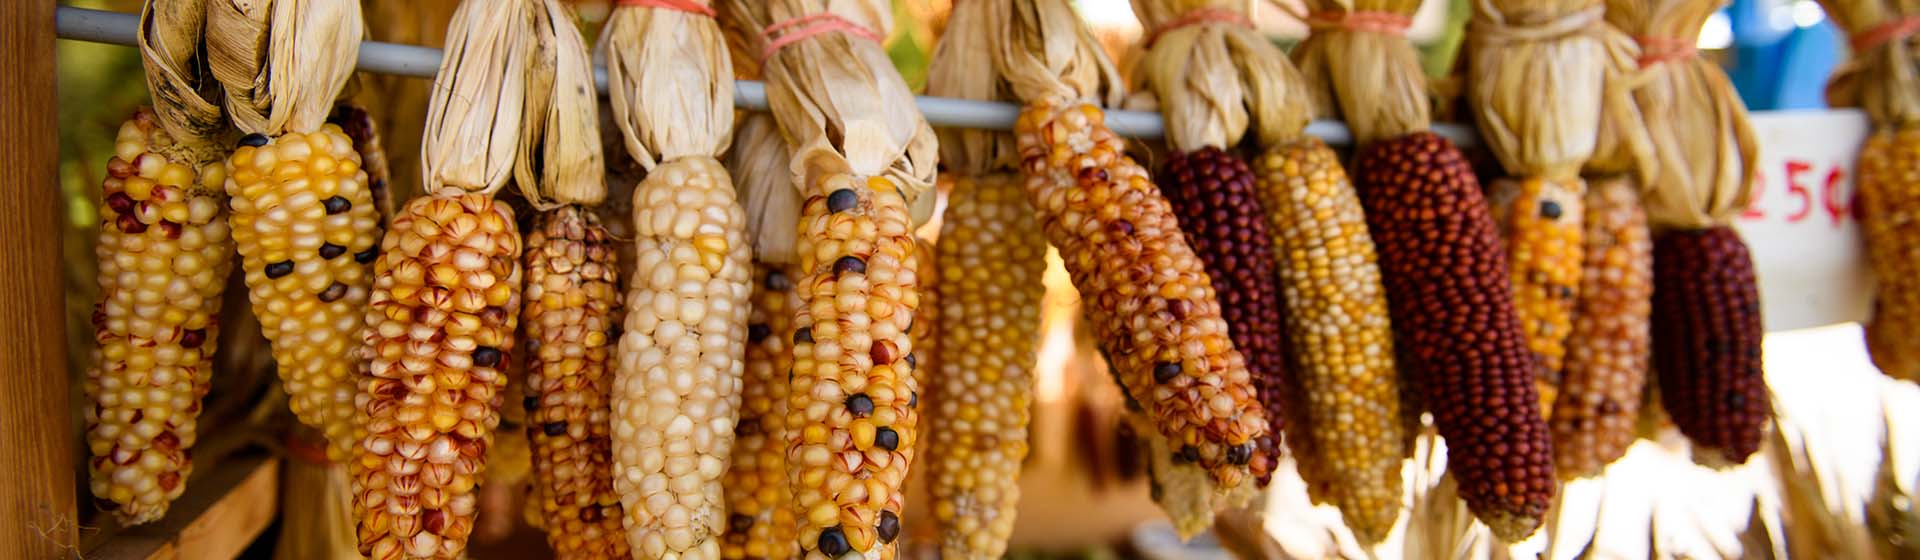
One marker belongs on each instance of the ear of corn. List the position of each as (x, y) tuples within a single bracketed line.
[(307, 229), (359, 125), (571, 294), (1211, 193), (1445, 272), (1345, 422), (1148, 296), (439, 330), (1889, 162), (678, 382), (1607, 350), (925, 329), (1706, 342), (993, 256), (761, 524), (851, 423), (164, 254), (1540, 221)]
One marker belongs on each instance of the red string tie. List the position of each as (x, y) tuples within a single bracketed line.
[(1196, 17), (1877, 35), (688, 6), (1660, 50), (808, 26), (1388, 23)]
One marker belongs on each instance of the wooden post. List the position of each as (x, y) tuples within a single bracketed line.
[(37, 515)]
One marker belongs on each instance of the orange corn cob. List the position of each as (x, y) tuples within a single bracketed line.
[(1540, 221), (1607, 351), (1889, 169)]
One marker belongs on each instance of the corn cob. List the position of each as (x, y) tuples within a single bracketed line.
[(439, 329), (925, 328), (571, 294), (1445, 272), (1706, 342), (306, 227), (359, 125), (982, 397), (1607, 349), (1344, 426), (678, 382), (1540, 220), (1211, 193), (1151, 301), (761, 524), (164, 254), (1889, 165), (850, 417)]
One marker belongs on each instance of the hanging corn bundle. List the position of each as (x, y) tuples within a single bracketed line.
[(1696, 154), (303, 217), (445, 301), (1882, 78), (992, 256), (1149, 298), (572, 295), (677, 390), (862, 158), (164, 254), (1607, 351), (1442, 263)]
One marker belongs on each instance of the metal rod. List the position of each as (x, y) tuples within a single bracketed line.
[(101, 26)]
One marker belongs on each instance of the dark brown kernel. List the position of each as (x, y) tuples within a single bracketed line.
[(120, 203), (802, 334), (1165, 372), (336, 205), (739, 523), (757, 332), (886, 439), (193, 338), (554, 428), (256, 140), (279, 269), (849, 264), (833, 543), (486, 356), (889, 527), (333, 292), (860, 405), (329, 250), (842, 200), (366, 256), (530, 402)]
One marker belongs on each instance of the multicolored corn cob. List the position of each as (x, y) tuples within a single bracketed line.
[(439, 329), (761, 524), (360, 125), (1540, 220), (1212, 195), (1607, 350), (990, 287), (1707, 331), (571, 295), (1445, 272), (1889, 167), (851, 423), (1344, 425), (1149, 298), (307, 229), (677, 389), (164, 254)]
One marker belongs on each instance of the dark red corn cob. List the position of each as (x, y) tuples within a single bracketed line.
[(1445, 273), (1706, 342), (1212, 195)]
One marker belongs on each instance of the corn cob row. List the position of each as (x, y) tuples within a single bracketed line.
[(1211, 193), (1706, 342), (762, 523), (1344, 424), (1607, 349), (1446, 278), (990, 286), (164, 253), (925, 328), (1889, 165), (359, 125), (439, 330), (307, 229), (571, 295), (1540, 220)]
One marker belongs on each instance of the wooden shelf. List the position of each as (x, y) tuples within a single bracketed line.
[(221, 513)]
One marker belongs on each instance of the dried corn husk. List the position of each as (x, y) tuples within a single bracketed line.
[(1882, 78), (1538, 73), (959, 71), (1050, 56), (185, 98), (758, 163), (1372, 78), (473, 127), (1694, 149), (559, 161), (399, 103), (671, 82), (1212, 78), (282, 63)]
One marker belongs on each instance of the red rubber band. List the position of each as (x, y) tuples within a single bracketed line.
[(808, 26), (1389, 23), (1658, 50), (688, 6), (1881, 34), (1197, 17)]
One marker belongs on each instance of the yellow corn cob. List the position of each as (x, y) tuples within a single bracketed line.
[(1889, 171), (762, 525), (678, 383), (1607, 351), (1345, 427), (164, 253), (1541, 221), (439, 329), (1149, 298), (850, 418), (307, 229), (982, 397), (571, 294), (925, 329)]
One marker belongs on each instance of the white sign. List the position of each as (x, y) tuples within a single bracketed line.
[(1802, 223)]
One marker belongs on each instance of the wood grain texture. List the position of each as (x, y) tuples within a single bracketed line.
[(37, 496), (222, 512)]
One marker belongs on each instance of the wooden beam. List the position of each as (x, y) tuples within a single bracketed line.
[(37, 496), (222, 512)]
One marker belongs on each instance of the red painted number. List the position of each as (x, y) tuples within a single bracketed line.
[(1753, 211), (1798, 190), (1838, 204)]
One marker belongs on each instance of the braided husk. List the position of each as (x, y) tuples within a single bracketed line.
[(1883, 79), (957, 70), (474, 118), (1694, 148), (283, 63), (1371, 80), (559, 160), (671, 83), (184, 96), (1048, 56), (1537, 81), (1211, 78)]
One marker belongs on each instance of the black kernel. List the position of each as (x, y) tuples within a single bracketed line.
[(486, 356), (1189, 454), (849, 263), (1165, 372), (887, 439), (279, 269), (1549, 209), (554, 428), (803, 334), (914, 401), (193, 339), (333, 292), (256, 140), (833, 543), (366, 256), (336, 205), (329, 250), (1240, 454), (912, 363), (860, 404), (778, 281), (889, 527), (530, 403), (757, 332), (739, 523), (842, 200)]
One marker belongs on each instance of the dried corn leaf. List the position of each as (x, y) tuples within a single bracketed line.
[(559, 160), (671, 83), (1883, 74), (1212, 73), (1537, 81), (282, 63), (1047, 54), (184, 97), (473, 120), (958, 70), (759, 166), (1363, 68)]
